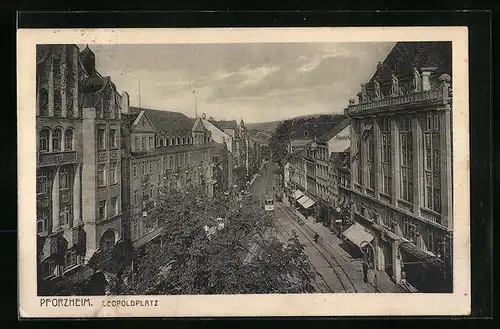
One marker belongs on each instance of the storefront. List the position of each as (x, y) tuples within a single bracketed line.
[(305, 205), (358, 237), (422, 270)]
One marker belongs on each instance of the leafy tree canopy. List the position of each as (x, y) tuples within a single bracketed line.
[(192, 262)]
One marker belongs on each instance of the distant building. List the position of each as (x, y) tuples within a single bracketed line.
[(401, 159)]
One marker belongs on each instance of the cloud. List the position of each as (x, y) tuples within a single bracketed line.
[(257, 81)]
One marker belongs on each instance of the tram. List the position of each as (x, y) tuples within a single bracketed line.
[(269, 204)]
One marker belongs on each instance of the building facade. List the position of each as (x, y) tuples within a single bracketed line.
[(401, 164), (78, 160), (167, 151)]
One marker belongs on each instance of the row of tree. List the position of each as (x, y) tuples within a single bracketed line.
[(205, 244)]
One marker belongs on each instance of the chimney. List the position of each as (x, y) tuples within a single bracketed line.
[(426, 72)]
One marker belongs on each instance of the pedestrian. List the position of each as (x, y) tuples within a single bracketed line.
[(365, 272), (316, 237)]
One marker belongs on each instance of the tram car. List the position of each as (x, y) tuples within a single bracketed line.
[(269, 204)]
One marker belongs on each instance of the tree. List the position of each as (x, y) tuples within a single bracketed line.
[(199, 263)]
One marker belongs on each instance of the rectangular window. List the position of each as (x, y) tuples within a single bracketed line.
[(137, 147), (432, 166), (406, 160), (101, 138), (112, 173), (431, 243), (385, 130), (150, 168), (42, 217), (136, 229), (112, 138), (134, 170), (370, 163), (70, 258), (101, 174), (102, 210), (114, 205), (42, 183), (48, 268), (410, 229), (151, 143), (64, 178), (136, 198), (65, 214), (144, 144), (388, 220), (143, 166)]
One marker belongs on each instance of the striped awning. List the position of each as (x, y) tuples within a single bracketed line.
[(306, 202), (298, 194), (309, 203), (357, 234)]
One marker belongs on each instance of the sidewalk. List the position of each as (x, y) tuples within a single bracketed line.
[(352, 266)]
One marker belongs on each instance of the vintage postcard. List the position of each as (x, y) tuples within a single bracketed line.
[(243, 172)]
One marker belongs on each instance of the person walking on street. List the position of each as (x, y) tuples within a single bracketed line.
[(316, 237), (365, 272)]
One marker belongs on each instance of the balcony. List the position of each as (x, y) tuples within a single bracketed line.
[(434, 96), (56, 158)]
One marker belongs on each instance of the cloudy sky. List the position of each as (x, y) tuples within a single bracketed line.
[(259, 82)]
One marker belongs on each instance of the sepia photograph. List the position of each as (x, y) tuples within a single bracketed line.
[(242, 168)]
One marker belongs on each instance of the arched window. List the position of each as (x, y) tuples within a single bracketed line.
[(44, 140), (57, 104), (56, 140), (68, 139), (44, 102)]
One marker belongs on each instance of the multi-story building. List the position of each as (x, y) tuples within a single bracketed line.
[(78, 160), (167, 150), (401, 164)]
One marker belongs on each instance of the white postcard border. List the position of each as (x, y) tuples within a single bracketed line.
[(30, 305)]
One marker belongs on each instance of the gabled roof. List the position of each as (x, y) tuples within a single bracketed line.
[(223, 124), (167, 121), (406, 55), (339, 127)]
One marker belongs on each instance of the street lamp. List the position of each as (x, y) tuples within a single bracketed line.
[(361, 246)]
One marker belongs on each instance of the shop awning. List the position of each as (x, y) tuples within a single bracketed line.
[(305, 202), (413, 254), (357, 234), (302, 199), (298, 194), (308, 203)]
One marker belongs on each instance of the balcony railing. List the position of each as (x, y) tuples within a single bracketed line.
[(57, 158), (433, 95)]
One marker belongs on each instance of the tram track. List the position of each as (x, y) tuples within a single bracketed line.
[(347, 284), (328, 289)]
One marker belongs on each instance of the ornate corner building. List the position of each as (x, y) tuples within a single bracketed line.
[(401, 164), (78, 185)]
